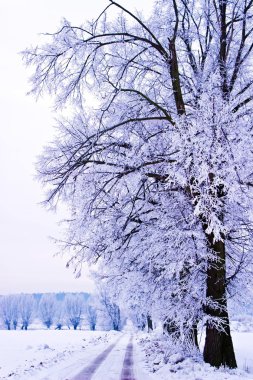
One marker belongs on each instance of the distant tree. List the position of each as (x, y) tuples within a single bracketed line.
[(135, 296), (112, 310), (9, 311), (26, 308), (92, 317), (141, 321), (138, 318), (47, 309), (149, 323), (74, 307), (60, 315), (15, 310)]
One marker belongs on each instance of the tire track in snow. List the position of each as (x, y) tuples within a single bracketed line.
[(127, 372), (88, 372)]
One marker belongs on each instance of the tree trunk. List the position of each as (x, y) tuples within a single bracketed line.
[(149, 323), (218, 350), (194, 335)]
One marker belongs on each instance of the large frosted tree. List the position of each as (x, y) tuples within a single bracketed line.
[(158, 173)]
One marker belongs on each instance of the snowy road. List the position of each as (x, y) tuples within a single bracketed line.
[(127, 370), (114, 363), (71, 355), (108, 355)]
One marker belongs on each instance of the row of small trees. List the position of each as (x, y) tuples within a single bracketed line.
[(19, 311), (15, 309), (68, 312)]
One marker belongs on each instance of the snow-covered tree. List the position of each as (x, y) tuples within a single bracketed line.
[(91, 313), (60, 315), (74, 307), (47, 309), (111, 309), (15, 299), (9, 311), (26, 309), (137, 317), (159, 173)]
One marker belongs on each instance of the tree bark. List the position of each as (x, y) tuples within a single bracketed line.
[(149, 323), (194, 335), (218, 350)]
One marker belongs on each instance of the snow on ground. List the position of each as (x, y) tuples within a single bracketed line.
[(112, 366), (49, 354), (60, 355), (154, 352)]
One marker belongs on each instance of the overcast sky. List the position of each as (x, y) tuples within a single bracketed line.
[(27, 261)]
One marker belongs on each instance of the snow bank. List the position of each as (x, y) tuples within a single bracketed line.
[(163, 360)]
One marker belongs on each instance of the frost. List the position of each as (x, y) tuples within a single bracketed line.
[(158, 174)]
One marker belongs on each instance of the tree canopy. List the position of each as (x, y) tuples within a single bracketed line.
[(158, 171)]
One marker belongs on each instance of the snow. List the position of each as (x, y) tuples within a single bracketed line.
[(244, 350), (113, 365), (181, 367), (62, 354), (49, 354)]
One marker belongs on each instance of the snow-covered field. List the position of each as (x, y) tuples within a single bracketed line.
[(60, 355), (49, 354)]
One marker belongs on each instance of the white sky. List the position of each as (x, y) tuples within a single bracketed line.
[(27, 262)]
